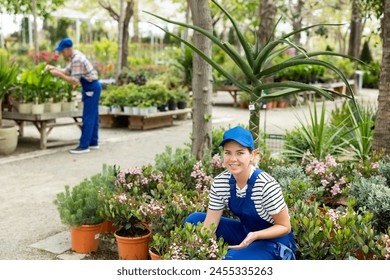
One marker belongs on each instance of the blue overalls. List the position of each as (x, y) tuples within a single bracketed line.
[(235, 231), (90, 129)]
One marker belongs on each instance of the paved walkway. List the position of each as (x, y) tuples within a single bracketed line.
[(30, 178)]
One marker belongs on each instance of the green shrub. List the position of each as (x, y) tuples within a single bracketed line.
[(80, 206), (384, 170), (293, 181), (371, 74), (372, 194), (338, 234)]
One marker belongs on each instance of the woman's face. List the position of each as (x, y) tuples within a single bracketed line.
[(236, 158)]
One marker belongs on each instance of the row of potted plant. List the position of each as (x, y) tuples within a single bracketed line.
[(143, 99), (36, 91)]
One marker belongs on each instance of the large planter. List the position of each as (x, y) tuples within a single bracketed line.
[(8, 139), (85, 239), (133, 248)]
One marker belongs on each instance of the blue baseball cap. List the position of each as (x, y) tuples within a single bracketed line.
[(64, 44), (239, 134)]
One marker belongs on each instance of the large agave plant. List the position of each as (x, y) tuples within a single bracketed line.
[(256, 66)]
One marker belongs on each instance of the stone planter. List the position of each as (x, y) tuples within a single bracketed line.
[(8, 139)]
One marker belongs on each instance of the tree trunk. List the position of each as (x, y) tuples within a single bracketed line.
[(355, 36), (120, 40), (35, 30), (125, 44), (382, 123), (267, 14), (201, 81), (297, 21), (136, 38), (125, 32)]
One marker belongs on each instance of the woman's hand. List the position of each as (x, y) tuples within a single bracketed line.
[(245, 243)]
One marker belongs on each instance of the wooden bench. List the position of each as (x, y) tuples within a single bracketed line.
[(45, 123), (143, 122), (233, 91)]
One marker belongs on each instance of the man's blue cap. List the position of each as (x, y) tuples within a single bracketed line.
[(241, 135), (64, 44)]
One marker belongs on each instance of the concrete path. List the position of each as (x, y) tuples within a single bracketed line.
[(30, 178)]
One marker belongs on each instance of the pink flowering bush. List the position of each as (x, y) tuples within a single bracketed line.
[(203, 181), (51, 58), (164, 214), (122, 203), (327, 176), (191, 242)]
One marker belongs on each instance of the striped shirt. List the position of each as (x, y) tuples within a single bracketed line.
[(80, 67), (266, 194)]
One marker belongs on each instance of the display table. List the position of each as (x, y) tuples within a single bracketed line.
[(44, 123), (144, 122), (233, 91)]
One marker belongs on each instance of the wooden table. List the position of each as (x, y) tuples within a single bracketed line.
[(233, 91), (44, 123), (144, 122)]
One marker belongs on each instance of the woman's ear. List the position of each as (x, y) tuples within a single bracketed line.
[(255, 157)]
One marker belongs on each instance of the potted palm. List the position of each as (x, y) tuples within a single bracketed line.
[(8, 134), (80, 209)]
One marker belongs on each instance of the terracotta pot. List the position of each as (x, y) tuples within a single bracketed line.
[(154, 256), (133, 248), (282, 104), (108, 227), (271, 104), (85, 239)]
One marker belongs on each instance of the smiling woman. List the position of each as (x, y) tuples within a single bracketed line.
[(263, 231)]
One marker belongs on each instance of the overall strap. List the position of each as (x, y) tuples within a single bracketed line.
[(251, 180)]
